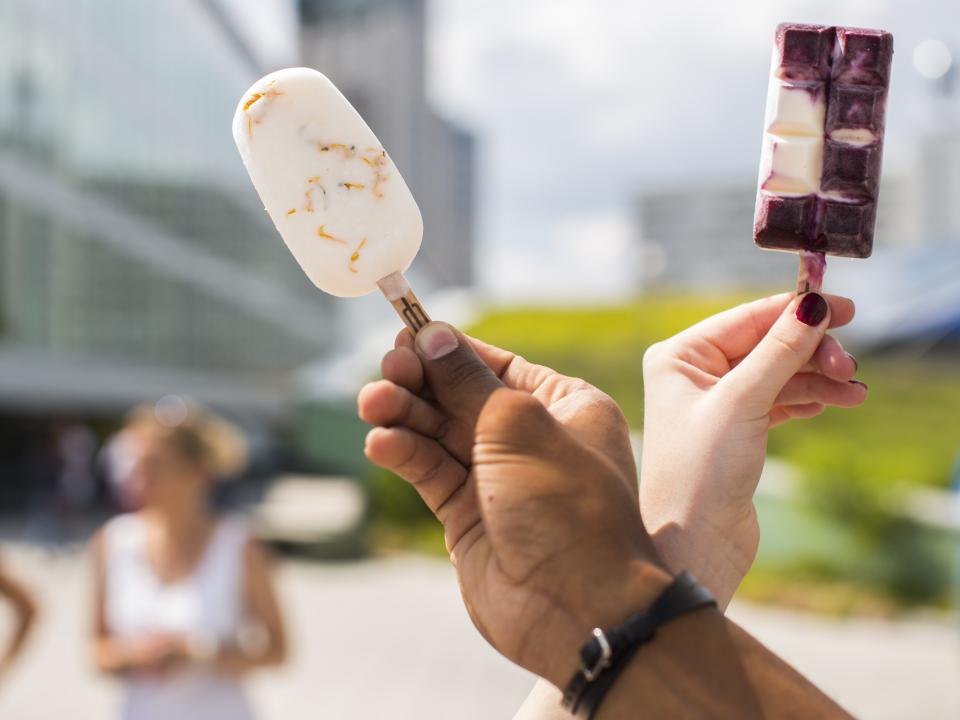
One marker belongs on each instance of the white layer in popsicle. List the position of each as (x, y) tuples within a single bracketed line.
[(791, 159), (327, 183)]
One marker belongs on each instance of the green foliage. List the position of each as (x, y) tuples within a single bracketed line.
[(401, 519), (848, 541), (329, 438), (843, 547), (395, 501), (908, 431), (603, 345), (893, 553)]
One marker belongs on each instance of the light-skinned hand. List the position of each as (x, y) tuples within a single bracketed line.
[(711, 395)]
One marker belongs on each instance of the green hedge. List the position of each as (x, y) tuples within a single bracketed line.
[(908, 431), (856, 463), (846, 529)]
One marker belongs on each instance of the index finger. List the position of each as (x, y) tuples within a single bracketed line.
[(513, 371)]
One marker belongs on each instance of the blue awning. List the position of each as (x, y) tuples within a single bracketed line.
[(902, 295)]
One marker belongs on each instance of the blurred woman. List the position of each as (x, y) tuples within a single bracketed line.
[(26, 611), (184, 601)]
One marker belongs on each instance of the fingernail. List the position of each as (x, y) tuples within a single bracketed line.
[(812, 309), (436, 340), (856, 365), (857, 382)]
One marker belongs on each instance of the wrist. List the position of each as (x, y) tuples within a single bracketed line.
[(634, 591), (719, 555)]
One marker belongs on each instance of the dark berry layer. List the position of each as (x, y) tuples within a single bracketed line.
[(804, 51), (851, 169), (854, 66), (856, 107)]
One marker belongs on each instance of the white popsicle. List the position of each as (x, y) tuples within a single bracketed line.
[(327, 183)]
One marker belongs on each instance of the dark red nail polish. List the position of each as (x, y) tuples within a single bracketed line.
[(812, 309), (856, 365), (857, 382)]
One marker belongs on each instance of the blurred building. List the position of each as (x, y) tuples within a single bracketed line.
[(938, 183), (134, 256), (938, 173), (909, 303), (697, 237), (374, 51), (701, 236)]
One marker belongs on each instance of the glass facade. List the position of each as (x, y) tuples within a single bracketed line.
[(115, 148), (388, 88)]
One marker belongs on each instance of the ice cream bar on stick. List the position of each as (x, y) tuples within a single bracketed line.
[(822, 144), (330, 188)]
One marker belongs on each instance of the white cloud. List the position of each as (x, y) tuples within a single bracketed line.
[(269, 26), (587, 257), (579, 104)]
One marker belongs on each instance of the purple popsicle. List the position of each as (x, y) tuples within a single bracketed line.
[(823, 140)]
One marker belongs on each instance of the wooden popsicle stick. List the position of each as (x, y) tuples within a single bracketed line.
[(397, 290), (810, 276)]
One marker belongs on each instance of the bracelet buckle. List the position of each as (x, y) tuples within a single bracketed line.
[(602, 662)]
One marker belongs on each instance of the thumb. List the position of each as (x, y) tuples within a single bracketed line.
[(460, 380), (784, 350)]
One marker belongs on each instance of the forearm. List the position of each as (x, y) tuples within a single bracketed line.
[(26, 611), (543, 703), (110, 655), (117, 655), (703, 665), (27, 614), (679, 551), (236, 660), (667, 678), (698, 666)]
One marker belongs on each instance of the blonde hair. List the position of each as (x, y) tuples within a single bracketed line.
[(195, 434)]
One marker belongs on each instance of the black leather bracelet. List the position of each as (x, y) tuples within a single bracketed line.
[(605, 656)]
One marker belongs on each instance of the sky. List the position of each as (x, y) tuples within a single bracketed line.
[(270, 27), (579, 106)]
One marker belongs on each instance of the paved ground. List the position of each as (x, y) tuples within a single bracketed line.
[(427, 662)]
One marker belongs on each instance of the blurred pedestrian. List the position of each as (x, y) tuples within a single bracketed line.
[(40, 469), (76, 485), (117, 459), (25, 609), (184, 600)]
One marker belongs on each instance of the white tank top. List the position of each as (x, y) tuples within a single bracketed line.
[(206, 604)]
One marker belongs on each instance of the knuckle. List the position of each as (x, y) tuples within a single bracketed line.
[(405, 407), (407, 466), (654, 356), (522, 405), (468, 371), (431, 471), (443, 428), (610, 407), (812, 386), (789, 343), (510, 418), (527, 412)]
